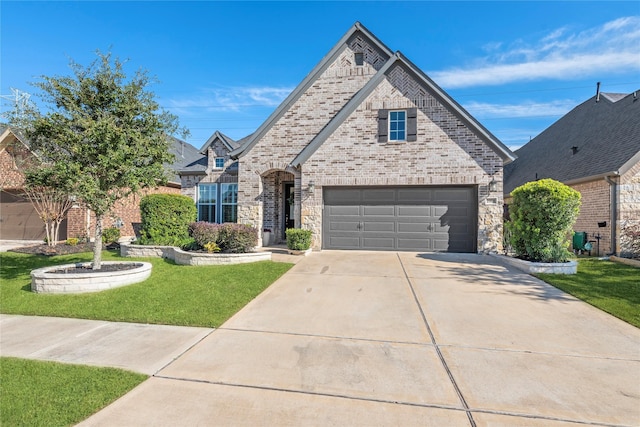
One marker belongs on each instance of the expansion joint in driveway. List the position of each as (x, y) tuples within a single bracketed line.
[(437, 348)]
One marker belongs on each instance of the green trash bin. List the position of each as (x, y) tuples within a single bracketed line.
[(579, 240)]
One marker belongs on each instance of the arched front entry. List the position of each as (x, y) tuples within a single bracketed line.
[(278, 204)]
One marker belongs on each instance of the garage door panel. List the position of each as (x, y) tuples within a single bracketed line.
[(387, 226), (378, 195), (389, 211), (400, 218), (417, 211), (453, 195), (414, 195), (378, 243), (344, 211)]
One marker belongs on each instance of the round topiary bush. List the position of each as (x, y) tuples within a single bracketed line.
[(166, 219), (298, 239), (542, 216)]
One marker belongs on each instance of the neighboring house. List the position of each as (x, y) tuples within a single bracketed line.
[(595, 148), (19, 220), (368, 153)]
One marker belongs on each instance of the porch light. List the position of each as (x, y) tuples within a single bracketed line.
[(493, 185), (312, 186)]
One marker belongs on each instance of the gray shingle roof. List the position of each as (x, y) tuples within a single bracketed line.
[(605, 134), (187, 156)]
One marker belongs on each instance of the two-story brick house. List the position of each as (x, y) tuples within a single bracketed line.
[(368, 153)]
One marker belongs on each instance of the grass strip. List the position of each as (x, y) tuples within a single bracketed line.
[(50, 394), (610, 286), (174, 294)]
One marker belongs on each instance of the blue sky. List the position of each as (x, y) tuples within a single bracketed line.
[(516, 66)]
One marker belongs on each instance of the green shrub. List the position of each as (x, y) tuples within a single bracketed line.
[(72, 241), (298, 239), (166, 219), (237, 238), (542, 216), (110, 235)]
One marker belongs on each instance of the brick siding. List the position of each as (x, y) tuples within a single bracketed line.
[(629, 208), (595, 208)]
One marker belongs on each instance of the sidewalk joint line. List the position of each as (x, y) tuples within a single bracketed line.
[(185, 351), (336, 337), (315, 393), (435, 346)]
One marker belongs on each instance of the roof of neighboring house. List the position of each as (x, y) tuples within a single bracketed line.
[(595, 139), (185, 155), (184, 152)]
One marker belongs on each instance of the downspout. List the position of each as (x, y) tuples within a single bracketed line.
[(614, 213)]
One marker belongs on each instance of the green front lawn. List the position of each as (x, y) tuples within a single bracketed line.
[(610, 286), (47, 394), (173, 295)]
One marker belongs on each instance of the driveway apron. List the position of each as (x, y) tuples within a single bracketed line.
[(384, 338)]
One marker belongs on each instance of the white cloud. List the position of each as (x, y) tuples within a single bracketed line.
[(613, 47), (229, 99), (484, 110)]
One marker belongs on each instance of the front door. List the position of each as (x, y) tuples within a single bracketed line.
[(289, 218)]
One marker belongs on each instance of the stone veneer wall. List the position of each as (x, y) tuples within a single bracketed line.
[(628, 208), (446, 153), (596, 204)]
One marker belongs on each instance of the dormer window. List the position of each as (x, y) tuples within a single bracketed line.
[(359, 58), (219, 162)]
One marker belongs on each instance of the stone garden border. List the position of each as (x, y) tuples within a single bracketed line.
[(570, 267), (42, 281), (627, 261), (181, 257)]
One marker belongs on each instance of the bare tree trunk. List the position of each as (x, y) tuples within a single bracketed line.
[(97, 245)]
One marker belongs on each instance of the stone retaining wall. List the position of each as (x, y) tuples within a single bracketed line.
[(191, 258), (570, 267)]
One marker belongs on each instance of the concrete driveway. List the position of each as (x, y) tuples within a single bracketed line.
[(382, 338)]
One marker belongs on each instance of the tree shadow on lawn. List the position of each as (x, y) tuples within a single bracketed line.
[(492, 276)]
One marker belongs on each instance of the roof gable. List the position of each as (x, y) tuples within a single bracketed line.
[(229, 143), (594, 139), (377, 56), (399, 60)]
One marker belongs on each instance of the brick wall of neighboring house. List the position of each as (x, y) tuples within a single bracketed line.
[(595, 208), (81, 223), (190, 183), (304, 119), (446, 153), (10, 176), (629, 208)]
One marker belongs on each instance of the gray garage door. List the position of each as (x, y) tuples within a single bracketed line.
[(400, 218)]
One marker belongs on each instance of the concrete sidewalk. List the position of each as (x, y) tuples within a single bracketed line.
[(135, 347), (367, 338)]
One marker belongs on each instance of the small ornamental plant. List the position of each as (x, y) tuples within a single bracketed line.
[(72, 241), (298, 239), (542, 216), (110, 235), (211, 247)]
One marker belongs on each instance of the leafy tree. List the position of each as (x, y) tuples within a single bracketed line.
[(104, 134), (542, 215)]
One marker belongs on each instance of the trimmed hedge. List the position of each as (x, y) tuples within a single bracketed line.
[(110, 235), (229, 237), (298, 239), (166, 219), (542, 216)]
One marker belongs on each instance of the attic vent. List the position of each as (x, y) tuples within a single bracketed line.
[(574, 149), (359, 58)]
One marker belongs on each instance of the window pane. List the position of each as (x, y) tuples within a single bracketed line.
[(394, 115), (229, 193), (400, 125), (229, 213), (219, 162), (400, 136), (207, 213), (207, 193)]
